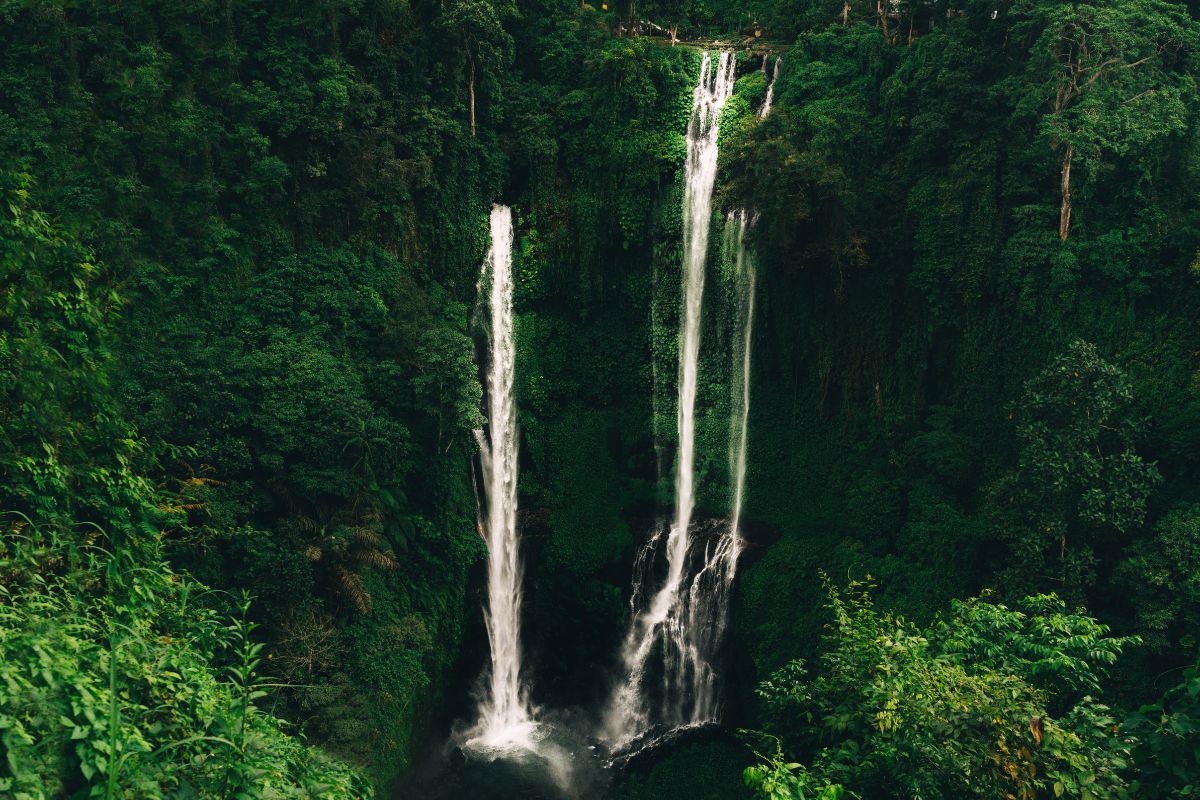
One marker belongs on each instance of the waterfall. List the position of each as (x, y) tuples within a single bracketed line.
[(700, 172), (745, 279), (505, 716), (667, 656), (708, 599), (766, 106)]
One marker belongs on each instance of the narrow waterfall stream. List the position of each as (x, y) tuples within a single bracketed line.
[(668, 680), (700, 172), (505, 716), (766, 106), (745, 282), (708, 601)]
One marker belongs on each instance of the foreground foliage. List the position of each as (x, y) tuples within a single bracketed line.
[(987, 702), (121, 698)]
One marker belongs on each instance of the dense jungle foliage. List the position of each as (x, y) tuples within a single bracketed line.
[(239, 246)]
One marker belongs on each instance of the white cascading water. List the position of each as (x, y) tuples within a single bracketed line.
[(708, 601), (745, 279), (766, 106), (506, 719), (667, 655), (700, 172)]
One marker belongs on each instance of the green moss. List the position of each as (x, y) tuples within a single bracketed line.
[(586, 490)]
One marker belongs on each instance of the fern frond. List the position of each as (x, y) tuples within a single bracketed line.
[(351, 585)]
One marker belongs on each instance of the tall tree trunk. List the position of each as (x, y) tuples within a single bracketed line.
[(1064, 216), (845, 12), (471, 92)]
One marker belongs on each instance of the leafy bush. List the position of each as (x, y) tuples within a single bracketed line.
[(1168, 733), (120, 699), (959, 709)]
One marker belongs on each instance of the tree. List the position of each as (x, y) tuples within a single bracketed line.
[(672, 13), (488, 47), (1113, 72), (1078, 474), (1162, 576)]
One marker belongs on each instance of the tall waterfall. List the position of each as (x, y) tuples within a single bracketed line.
[(667, 656), (505, 716), (766, 106), (745, 280)]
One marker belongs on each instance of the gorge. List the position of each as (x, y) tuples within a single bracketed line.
[(548, 400), (668, 677)]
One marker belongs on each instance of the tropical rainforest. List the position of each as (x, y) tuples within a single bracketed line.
[(241, 545)]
